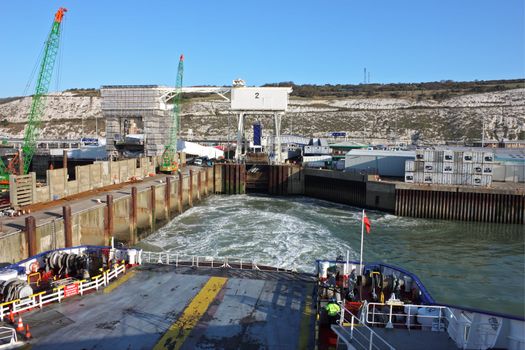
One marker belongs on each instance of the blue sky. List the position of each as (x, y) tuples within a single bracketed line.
[(321, 42)]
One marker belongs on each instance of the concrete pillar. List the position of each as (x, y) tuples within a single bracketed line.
[(190, 192), (240, 136), (167, 197), (133, 215), (30, 228), (153, 206), (68, 226), (109, 219)]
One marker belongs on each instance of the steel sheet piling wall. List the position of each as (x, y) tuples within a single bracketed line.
[(466, 206)]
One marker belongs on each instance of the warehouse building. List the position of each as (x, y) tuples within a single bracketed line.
[(382, 163)]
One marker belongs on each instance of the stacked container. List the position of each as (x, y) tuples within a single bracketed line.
[(450, 168)]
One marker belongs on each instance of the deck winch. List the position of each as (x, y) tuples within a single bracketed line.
[(70, 264), (11, 287)]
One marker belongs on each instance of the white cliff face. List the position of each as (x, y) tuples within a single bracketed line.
[(65, 115), (456, 118)]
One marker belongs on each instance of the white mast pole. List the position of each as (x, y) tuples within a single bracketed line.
[(362, 236)]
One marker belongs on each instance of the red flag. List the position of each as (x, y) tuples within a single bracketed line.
[(366, 222)]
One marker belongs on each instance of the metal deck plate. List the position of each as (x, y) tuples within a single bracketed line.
[(255, 310)]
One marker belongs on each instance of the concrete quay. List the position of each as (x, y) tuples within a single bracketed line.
[(128, 213), (131, 211)]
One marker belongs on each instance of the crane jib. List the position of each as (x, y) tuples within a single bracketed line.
[(38, 101)]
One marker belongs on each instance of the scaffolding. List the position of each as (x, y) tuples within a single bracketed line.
[(136, 110)]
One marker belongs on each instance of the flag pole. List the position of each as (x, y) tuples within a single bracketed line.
[(362, 236)]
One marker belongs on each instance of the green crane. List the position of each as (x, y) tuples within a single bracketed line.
[(169, 156), (37, 104)]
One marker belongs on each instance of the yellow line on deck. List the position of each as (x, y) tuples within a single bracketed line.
[(180, 330), (119, 281), (304, 331)]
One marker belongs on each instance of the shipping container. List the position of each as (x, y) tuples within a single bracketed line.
[(430, 167), (428, 178), (419, 166), (487, 168), (448, 168), (428, 156), (410, 166), (438, 156), (476, 180), (467, 157), (448, 179), (409, 177), (467, 168), (448, 156), (419, 177), (477, 168), (437, 178), (488, 157), (486, 180), (420, 154), (477, 157), (464, 179)]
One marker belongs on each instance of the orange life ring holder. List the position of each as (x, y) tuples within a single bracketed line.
[(34, 267)]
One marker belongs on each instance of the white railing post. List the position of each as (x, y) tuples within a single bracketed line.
[(389, 324), (370, 341), (352, 328), (177, 260), (408, 317)]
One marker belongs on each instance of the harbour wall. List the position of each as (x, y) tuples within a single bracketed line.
[(128, 215), (465, 203), (138, 209)]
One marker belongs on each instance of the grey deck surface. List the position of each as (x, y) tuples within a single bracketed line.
[(255, 310), (416, 339)]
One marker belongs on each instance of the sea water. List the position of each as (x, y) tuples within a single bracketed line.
[(467, 264)]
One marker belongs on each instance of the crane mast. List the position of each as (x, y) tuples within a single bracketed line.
[(169, 156), (38, 102)]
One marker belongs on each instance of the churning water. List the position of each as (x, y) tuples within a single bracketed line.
[(467, 264)]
